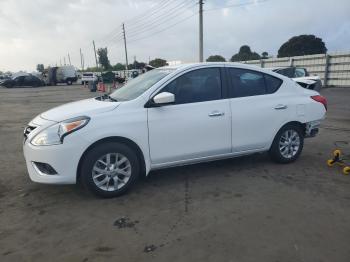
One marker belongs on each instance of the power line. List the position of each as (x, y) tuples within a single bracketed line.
[(147, 12), (159, 31), (160, 22), (235, 5), (163, 19), (146, 25), (147, 20)]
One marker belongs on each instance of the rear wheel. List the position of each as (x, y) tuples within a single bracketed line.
[(69, 82), (109, 169), (287, 144)]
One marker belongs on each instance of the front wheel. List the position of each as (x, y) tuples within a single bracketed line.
[(69, 82), (287, 145), (109, 169)]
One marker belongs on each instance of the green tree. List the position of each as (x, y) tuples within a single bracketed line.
[(158, 62), (40, 68), (302, 45), (119, 67), (264, 55), (92, 69), (137, 65), (103, 58), (245, 54), (216, 58)]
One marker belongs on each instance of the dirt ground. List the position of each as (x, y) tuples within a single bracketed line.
[(243, 209)]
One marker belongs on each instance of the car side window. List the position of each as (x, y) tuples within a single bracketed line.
[(272, 83), (19, 80), (252, 83), (300, 72), (196, 86), (28, 79), (246, 82)]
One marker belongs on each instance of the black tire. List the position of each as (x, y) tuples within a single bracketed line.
[(275, 151), (69, 82), (95, 154)]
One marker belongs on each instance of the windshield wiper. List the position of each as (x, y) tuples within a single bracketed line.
[(106, 96), (111, 98)]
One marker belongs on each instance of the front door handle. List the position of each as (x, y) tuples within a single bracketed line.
[(280, 107), (216, 113)]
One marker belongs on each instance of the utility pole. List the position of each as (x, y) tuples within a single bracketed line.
[(69, 59), (60, 62), (81, 60), (64, 60), (93, 42), (200, 30), (126, 52)]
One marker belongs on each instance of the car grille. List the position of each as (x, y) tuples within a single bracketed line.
[(27, 131)]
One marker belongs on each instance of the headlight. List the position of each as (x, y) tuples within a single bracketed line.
[(55, 134)]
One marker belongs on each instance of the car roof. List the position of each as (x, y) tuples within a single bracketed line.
[(210, 64), (284, 67), (183, 67)]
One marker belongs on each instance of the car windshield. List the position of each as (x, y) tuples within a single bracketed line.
[(137, 86)]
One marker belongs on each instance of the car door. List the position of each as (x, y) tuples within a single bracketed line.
[(197, 125), (257, 108), (28, 81), (18, 81)]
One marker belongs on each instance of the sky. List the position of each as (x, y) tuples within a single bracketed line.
[(45, 31)]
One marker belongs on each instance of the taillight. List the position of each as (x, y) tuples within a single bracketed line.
[(321, 100)]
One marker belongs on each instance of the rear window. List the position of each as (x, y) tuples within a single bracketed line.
[(87, 74), (246, 82)]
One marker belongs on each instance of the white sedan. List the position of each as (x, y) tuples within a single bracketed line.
[(171, 116)]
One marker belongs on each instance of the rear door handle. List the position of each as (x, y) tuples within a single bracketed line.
[(280, 107), (216, 113)]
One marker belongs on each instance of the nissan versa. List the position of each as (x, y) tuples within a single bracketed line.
[(171, 116)]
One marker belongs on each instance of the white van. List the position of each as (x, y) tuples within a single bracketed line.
[(88, 76), (63, 74)]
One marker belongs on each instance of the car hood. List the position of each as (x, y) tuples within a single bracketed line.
[(85, 107)]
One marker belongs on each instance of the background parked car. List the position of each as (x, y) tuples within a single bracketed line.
[(86, 77), (301, 76), (23, 81), (62, 74), (119, 79)]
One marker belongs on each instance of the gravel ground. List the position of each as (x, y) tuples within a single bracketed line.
[(243, 209)]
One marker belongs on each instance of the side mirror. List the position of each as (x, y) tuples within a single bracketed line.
[(164, 98)]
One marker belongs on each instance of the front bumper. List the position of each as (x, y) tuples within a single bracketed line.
[(63, 158)]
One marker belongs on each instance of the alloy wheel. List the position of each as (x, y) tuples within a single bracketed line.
[(289, 143), (111, 172)]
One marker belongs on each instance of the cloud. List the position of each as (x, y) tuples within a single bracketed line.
[(44, 31)]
